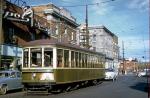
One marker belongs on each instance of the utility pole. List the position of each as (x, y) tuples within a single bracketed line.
[(149, 57), (123, 70), (87, 32), (1, 33)]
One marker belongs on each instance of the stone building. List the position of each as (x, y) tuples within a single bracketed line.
[(101, 40)]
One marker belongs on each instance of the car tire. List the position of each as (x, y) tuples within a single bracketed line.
[(3, 90)]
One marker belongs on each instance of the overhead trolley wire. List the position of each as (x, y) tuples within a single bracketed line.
[(98, 3)]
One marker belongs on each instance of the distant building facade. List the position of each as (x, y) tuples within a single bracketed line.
[(102, 40), (130, 65), (83, 36)]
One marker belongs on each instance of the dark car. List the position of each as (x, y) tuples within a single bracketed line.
[(10, 80)]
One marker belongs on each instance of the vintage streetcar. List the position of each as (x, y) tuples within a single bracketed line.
[(52, 65)]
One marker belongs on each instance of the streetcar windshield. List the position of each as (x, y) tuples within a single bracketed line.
[(36, 57), (48, 57)]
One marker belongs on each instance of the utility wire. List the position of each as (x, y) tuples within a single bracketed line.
[(69, 1), (88, 4)]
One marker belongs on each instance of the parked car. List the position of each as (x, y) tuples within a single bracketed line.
[(10, 80), (110, 74), (144, 72)]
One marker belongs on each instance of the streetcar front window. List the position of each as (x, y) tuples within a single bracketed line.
[(25, 58), (36, 57), (48, 57)]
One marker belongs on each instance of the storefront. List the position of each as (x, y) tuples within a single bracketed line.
[(16, 28), (11, 56)]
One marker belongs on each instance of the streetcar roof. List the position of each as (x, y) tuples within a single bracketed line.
[(56, 43)]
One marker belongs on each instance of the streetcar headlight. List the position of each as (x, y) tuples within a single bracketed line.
[(47, 76), (33, 76)]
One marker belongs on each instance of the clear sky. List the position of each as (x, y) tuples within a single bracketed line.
[(128, 19)]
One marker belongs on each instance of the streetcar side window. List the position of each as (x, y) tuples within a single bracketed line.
[(93, 61), (76, 59), (25, 58), (97, 62), (91, 58), (80, 60), (86, 56), (36, 57), (66, 58), (59, 58), (88, 61), (83, 60), (72, 59), (48, 57)]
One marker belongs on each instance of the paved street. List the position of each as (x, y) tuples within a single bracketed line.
[(125, 87)]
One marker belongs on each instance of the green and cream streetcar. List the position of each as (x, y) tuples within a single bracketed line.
[(50, 65)]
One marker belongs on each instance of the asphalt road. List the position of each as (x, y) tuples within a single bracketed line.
[(128, 86)]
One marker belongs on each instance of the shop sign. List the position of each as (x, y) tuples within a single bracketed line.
[(15, 16)]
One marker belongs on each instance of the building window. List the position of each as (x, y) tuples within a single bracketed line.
[(9, 35), (66, 31), (72, 36), (56, 29), (94, 37), (94, 48), (32, 36)]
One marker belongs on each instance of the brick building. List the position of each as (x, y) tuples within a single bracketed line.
[(130, 65), (62, 24)]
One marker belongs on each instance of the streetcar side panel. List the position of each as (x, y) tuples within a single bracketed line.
[(77, 75)]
